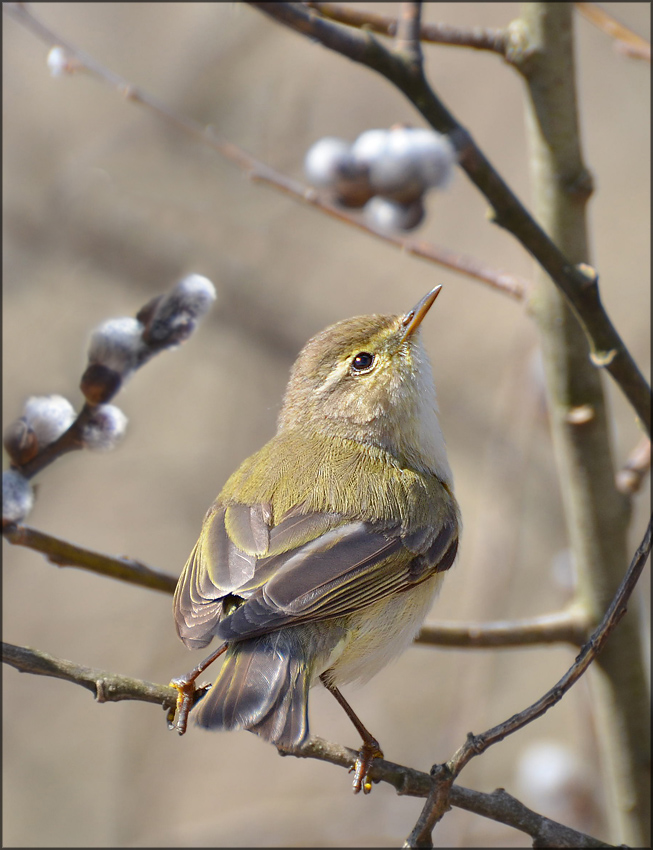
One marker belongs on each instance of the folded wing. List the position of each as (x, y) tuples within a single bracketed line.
[(308, 567)]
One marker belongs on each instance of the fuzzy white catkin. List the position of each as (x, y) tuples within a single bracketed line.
[(116, 344), (390, 161), (387, 215), (369, 146), (105, 429), (196, 294), (17, 496), (436, 157), (405, 159), (326, 161), (177, 313), (48, 416)]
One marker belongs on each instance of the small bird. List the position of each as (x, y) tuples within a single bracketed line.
[(323, 553)]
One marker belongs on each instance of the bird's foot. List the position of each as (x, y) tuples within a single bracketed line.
[(369, 751)]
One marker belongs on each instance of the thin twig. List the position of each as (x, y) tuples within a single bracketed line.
[(626, 41), (107, 687), (445, 775), (65, 554), (112, 687), (478, 38), (579, 284), (258, 172)]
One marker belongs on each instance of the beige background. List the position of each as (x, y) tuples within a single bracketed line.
[(105, 207)]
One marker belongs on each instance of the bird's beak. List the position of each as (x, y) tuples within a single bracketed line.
[(413, 319)]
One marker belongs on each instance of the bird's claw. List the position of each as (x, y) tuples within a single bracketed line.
[(368, 752), (185, 698)]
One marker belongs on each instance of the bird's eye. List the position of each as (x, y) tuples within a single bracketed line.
[(362, 362)]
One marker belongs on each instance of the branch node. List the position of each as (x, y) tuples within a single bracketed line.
[(101, 690), (518, 50), (590, 274), (581, 187), (580, 415), (601, 359)]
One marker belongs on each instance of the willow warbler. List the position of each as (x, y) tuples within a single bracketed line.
[(323, 553)]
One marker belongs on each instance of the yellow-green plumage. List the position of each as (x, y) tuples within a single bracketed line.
[(350, 478), (324, 550)]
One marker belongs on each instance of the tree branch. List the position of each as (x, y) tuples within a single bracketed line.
[(111, 687), (570, 626), (258, 172), (107, 687), (626, 41), (444, 775), (578, 284), (478, 38), (597, 515), (65, 554), (504, 808)]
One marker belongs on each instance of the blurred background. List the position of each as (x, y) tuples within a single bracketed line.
[(105, 207)]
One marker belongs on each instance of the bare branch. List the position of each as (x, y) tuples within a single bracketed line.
[(570, 626), (504, 808), (445, 775), (626, 41), (258, 172), (65, 554), (111, 687), (107, 687), (478, 38), (579, 284)]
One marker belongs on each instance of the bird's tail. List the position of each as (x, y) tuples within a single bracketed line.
[(263, 686)]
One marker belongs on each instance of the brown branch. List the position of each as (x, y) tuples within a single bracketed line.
[(407, 40), (258, 172), (478, 38), (579, 284), (107, 687), (626, 41), (112, 687), (506, 809), (570, 626), (445, 774), (565, 626), (630, 478), (65, 554)]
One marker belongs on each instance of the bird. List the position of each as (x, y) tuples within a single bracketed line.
[(323, 553)]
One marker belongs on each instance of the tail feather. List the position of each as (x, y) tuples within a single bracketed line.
[(263, 686), (287, 725)]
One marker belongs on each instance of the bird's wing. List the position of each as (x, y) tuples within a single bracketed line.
[(314, 566)]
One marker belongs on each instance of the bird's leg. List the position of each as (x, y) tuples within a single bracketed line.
[(369, 748), (185, 686)]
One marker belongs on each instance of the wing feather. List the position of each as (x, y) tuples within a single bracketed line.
[(309, 566)]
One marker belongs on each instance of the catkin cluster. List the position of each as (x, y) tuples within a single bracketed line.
[(117, 348), (388, 172)]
